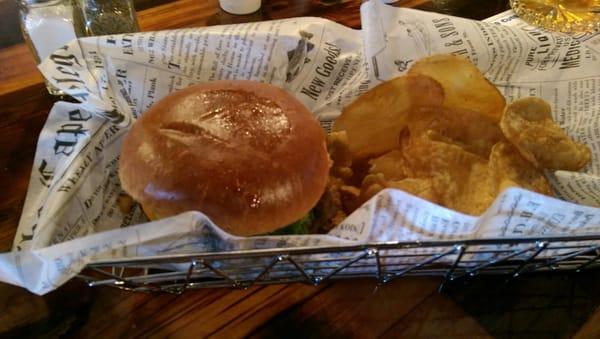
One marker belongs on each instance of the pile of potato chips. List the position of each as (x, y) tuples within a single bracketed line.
[(443, 132)]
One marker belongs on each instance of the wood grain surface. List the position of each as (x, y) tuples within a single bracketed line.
[(546, 306)]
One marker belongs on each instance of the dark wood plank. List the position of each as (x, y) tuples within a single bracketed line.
[(591, 329), (18, 69), (274, 310), (434, 315), (357, 309), (23, 115)]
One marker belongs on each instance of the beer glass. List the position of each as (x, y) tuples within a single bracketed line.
[(567, 16)]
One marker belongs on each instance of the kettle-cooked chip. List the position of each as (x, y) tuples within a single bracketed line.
[(464, 84), (527, 123), (421, 187), (508, 168), (459, 177), (474, 132), (391, 165), (440, 132), (374, 121)]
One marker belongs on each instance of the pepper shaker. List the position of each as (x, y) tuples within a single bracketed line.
[(103, 17)]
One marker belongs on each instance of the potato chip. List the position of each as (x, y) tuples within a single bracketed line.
[(527, 123), (470, 130), (440, 133), (374, 121), (460, 178), (464, 85), (507, 168), (421, 187), (391, 165)]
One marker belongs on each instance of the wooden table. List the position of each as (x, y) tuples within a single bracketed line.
[(561, 305)]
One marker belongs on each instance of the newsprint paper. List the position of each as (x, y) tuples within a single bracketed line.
[(71, 218)]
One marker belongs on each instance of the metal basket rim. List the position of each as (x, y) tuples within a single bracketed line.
[(278, 251)]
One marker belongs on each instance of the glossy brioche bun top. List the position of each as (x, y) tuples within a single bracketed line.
[(247, 154)]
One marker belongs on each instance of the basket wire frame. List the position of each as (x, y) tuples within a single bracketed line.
[(314, 265)]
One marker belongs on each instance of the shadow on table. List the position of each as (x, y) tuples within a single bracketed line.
[(535, 306)]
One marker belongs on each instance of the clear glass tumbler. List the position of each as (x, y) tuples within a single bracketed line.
[(567, 16)]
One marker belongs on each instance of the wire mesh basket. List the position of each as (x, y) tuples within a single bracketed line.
[(314, 265)]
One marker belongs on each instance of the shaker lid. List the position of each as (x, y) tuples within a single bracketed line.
[(240, 7), (39, 2)]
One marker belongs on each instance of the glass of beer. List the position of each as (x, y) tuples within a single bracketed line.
[(567, 16)]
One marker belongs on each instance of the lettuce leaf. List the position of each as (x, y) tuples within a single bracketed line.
[(301, 226)]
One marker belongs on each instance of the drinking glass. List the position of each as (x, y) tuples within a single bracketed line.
[(567, 16)]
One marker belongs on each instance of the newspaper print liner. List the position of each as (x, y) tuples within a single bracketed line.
[(70, 216)]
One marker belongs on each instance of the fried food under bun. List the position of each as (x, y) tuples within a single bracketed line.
[(247, 154)]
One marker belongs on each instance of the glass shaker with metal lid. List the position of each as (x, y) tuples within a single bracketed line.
[(102, 17), (47, 25)]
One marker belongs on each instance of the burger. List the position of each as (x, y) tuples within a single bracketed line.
[(246, 154)]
